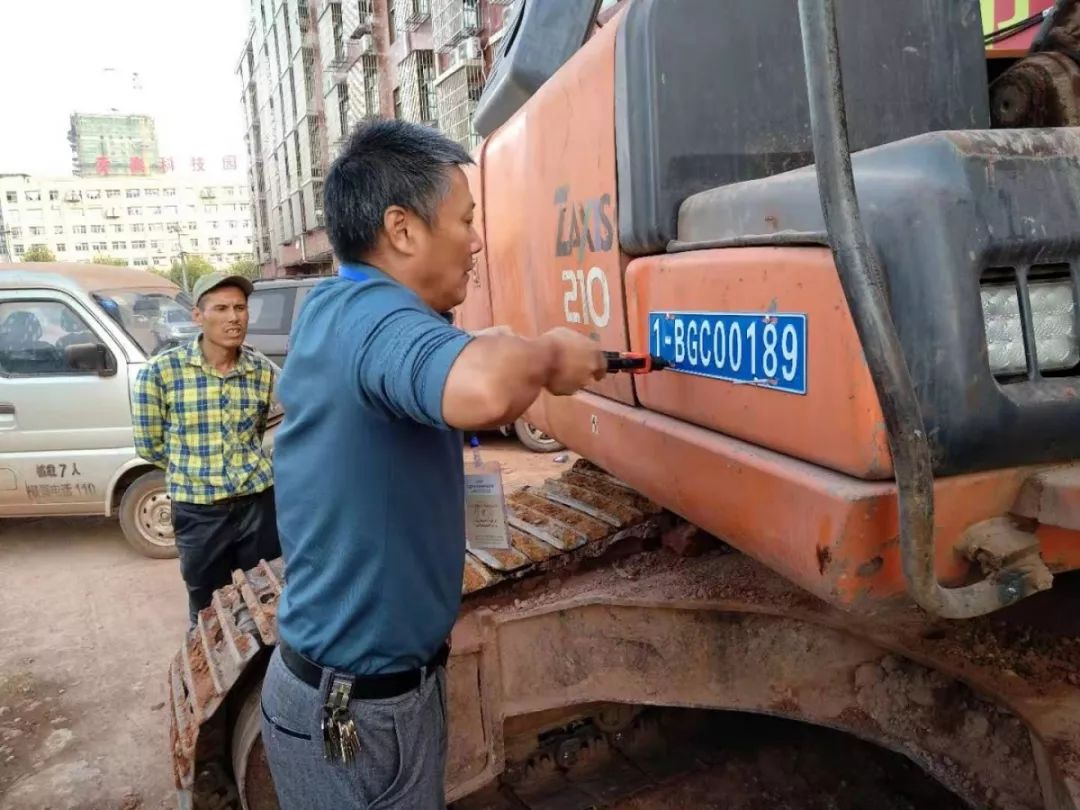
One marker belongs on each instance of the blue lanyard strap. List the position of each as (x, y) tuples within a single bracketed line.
[(352, 273)]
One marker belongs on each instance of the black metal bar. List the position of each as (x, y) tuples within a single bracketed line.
[(864, 287), (1075, 273), (1027, 321)]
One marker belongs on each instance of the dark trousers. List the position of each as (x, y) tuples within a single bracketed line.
[(214, 539)]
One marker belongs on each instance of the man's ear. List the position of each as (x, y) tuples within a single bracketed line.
[(399, 228), (196, 315)]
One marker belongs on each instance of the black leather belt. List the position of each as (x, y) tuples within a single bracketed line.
[(366, 687)]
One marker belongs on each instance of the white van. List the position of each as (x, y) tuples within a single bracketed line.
[(72, 340)]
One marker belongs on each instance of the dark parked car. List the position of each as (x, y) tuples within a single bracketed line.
[(274, 308)]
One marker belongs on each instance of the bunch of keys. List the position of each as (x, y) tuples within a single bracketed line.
[(340, 740)]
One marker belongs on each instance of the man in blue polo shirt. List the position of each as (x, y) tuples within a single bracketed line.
[(369, 475)]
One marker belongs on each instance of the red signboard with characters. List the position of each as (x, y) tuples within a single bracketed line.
[(1004, 15), (102, 165), (137, 165)]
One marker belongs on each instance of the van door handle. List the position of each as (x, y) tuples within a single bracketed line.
[(7, 409)]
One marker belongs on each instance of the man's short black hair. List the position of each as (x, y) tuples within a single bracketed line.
[(386, 163)]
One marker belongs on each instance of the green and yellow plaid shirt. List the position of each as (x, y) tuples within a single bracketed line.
[(204, 428)]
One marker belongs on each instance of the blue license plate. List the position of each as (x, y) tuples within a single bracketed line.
[(765, 349)]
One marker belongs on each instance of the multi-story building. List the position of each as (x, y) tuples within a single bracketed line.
[(113, 144), (147, 221), (313, 69)]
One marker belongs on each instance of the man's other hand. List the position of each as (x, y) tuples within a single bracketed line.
[(577, 361)]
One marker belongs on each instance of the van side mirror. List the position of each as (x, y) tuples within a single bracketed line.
[(93, 357)]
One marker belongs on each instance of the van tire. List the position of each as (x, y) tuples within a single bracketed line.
[(146, 519), (535, 439)]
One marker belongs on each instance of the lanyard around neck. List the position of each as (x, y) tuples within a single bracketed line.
[(352, 273)]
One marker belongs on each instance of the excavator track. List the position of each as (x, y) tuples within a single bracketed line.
[(574, 517), (570, 641)]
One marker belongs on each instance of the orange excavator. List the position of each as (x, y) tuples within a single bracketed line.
[(850, 233)]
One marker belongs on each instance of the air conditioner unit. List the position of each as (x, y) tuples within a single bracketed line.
[(470, 50), (367, 44)]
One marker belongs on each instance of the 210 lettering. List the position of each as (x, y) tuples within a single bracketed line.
[(586, 297)]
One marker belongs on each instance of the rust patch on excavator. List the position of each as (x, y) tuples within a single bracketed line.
[(824, 557)]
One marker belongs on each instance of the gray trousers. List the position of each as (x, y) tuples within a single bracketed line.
[(402, 747)]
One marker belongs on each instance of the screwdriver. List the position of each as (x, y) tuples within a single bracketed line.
[(634, 362)]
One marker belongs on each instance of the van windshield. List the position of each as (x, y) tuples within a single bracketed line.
[(155, 319)]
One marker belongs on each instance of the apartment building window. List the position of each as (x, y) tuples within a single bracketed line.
[(171, 210), (169, 192), (134, 211), (37, 230), (97, 229), (101, 246), (12, 196), (209, 209), (194, 243), (112, 193), (119, 245), (61, 247), (149, 192), (141, 261), (155, 244), (16, 233), (78, 229), (82, 247), (93, 195), (33, 196), (133, 193), (58, 230), (213, 225), (54, 195), (215, 243), (193, 226), (155, 226), (118, 228), (138, 244), (232, 225), (155, 210), (138, 227), (19, 250)]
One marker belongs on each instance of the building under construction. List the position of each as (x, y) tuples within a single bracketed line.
[(311, 70), (114, 144)]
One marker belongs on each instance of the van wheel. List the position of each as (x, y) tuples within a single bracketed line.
[(146, 517), (535, 439)]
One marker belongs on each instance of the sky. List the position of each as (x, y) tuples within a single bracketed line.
[(63, 56)]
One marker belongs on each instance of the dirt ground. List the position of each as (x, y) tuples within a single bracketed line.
[(88, 627)]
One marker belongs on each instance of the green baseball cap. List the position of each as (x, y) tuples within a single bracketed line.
[(211, 281)]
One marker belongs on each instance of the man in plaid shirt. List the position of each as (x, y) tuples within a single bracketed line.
[(199, 413)]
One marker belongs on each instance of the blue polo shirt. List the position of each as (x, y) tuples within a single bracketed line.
[(369, 478)]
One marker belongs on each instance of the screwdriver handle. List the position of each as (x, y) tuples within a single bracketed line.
[(633, 362)]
